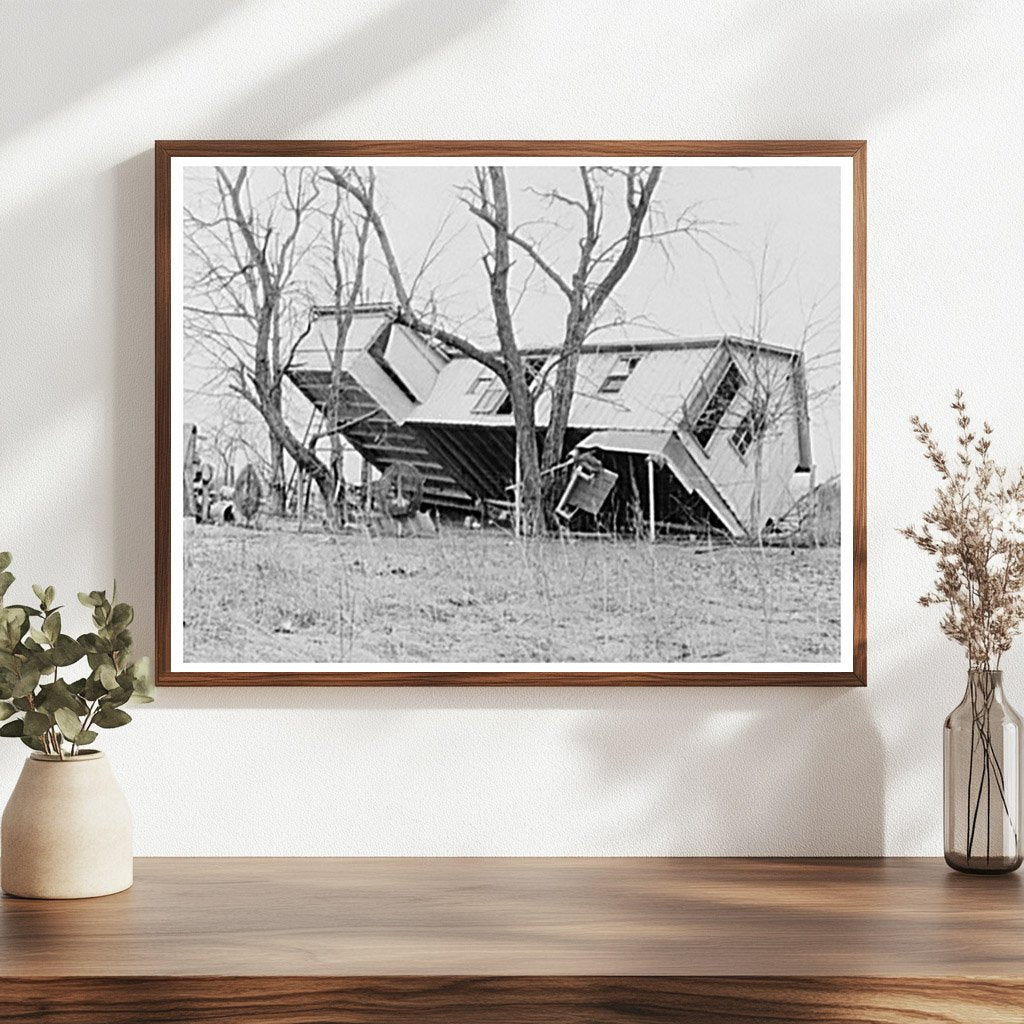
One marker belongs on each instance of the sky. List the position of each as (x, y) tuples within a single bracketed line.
[(785, 220)]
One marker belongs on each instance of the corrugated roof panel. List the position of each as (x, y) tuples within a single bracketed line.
[(651, 399), (637, 442), (453, 397)]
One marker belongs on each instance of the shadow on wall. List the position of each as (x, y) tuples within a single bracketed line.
[(685, 771), (924, 682), (362, 60), (807, 58), (395, 39), (747, 772), (117, 35), (132, 409)]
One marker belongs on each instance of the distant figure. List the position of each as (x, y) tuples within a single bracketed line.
[(398, 494), (203, 489), (248, 495)]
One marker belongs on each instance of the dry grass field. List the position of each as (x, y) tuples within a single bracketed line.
[(274, 595)]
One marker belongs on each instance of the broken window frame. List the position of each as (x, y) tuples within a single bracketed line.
[(377, 351), (489, 400), (618, 375), (485, 375), (713, 409), (495, 399), (751, 428)]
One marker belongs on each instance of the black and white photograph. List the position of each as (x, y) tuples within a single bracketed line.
[(528, 414)]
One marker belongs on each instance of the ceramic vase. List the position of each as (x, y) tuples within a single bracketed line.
[(66, 832)]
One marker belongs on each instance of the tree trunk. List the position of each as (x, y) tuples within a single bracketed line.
[(283, 439), (278, 487), (756, 523), (335, 416), (530, 494), (561, 405), (530, 489)]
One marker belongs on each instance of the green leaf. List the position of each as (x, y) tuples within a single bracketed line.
[(142, 682), (40, 593), (13, 623), (51, 626), (122, 616), (69, 724), (31, 741), (36, 723), (59, 695), (66, 651), (89, 600), (28, 610), (5, 560), (93, 644), (27, 681), (115, 698), (124, 641), (109, 718), (38, 635), (107, 676), (13, 728), (86, 736), (6, 579), (50, 595), (6, 710), (94, 689)]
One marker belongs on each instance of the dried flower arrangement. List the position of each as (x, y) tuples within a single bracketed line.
[(975, 529)]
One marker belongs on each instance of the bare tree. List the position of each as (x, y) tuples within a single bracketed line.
[(347, 273), (601, 264), (249, 300), (780, 394), (493, 205), (507, 364), (604, 257)]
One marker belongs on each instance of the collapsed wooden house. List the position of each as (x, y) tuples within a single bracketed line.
[(700, 432)]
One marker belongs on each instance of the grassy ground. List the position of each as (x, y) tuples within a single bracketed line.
[(478, 596)]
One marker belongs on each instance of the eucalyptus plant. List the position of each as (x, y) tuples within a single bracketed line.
[(37, 704)]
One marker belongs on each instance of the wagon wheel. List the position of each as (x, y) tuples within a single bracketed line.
[(248, 494), (400, 491)]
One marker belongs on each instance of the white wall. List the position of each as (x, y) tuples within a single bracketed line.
[(936, 87)]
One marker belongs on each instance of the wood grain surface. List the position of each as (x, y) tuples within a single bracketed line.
[(284, 941), (644, 151), (505, 916), (511, 1000)]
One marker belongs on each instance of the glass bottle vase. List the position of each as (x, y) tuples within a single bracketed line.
[(981, 770)]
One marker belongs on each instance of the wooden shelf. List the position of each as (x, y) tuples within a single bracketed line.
[(573, 941)]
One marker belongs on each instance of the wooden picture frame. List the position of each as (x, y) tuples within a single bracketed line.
[(850, 156)]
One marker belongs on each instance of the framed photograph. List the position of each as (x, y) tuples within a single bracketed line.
[(492, 413)]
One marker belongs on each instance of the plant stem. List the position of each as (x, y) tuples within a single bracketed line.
[(982, 698), (58, 739)]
